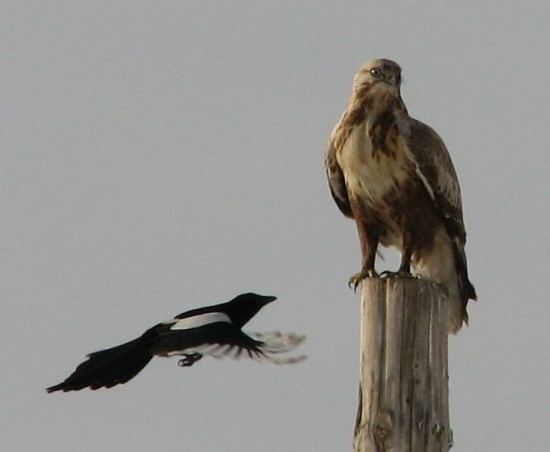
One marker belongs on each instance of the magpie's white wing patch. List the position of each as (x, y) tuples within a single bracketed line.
[(204, 349), (197, 321), (219, 351)]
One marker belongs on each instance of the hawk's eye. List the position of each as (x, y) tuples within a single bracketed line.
[(375, 72)]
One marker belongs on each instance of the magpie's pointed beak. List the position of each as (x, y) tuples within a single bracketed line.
[(267, 299)]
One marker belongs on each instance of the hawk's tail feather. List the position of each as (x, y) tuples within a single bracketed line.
[(466, 288), (107, 368)]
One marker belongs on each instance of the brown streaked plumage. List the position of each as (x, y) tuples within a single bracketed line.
[(393, 175)]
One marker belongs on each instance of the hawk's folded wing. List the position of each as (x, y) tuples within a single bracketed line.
[(336, 181), (435, 168)]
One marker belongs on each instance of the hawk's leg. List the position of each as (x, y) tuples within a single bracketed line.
[(368, 238), (404, 270), (405, 267), (189, 359)]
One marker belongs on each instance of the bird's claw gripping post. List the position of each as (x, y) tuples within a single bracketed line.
[(397, 274), (356, 279)]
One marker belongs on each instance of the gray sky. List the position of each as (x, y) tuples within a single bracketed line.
[(159, 156)]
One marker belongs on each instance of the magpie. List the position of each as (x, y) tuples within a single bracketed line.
[(211, 330)]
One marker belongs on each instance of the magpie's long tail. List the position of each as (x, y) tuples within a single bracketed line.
[(107, 368)]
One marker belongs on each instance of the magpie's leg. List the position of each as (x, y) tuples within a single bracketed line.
[(189, 359)]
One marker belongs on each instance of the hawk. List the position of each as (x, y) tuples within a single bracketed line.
[(212, 330), (393, 175)]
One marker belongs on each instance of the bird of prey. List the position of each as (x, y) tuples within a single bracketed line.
[(213, 330), (393, 175)]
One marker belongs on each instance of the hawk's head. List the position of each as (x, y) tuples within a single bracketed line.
[(383, 74)]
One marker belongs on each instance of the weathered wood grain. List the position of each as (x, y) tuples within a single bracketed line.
[(403, 388)]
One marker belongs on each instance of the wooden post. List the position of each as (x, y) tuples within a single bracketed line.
[(403, 388)]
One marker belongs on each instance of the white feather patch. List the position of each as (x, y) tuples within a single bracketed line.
[(420, 174), (277, 342), (200, 320), (204, 349)]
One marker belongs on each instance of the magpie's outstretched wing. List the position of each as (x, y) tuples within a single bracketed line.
[(226, 340)]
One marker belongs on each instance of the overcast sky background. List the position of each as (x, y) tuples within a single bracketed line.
[(160, 156)]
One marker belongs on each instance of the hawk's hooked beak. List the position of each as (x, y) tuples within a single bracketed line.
[(394, 79)]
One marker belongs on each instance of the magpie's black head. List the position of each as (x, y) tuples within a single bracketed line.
[(243, 307), (240, 309)]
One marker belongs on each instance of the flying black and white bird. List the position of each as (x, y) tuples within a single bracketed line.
[(212, 330)]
